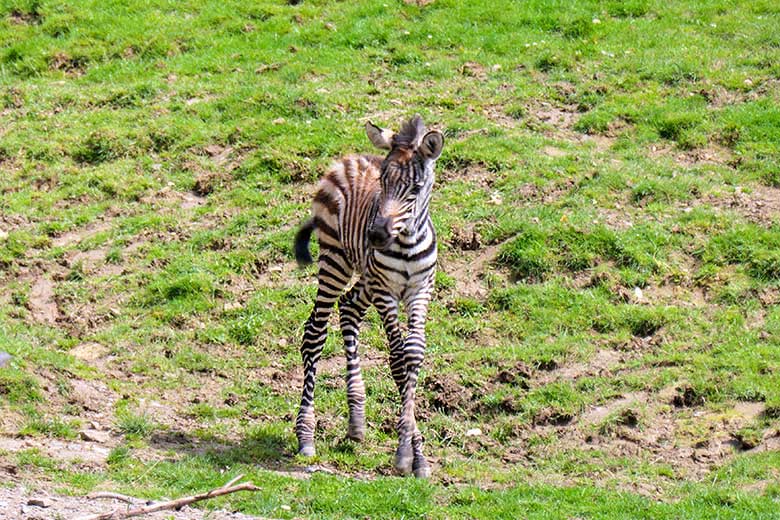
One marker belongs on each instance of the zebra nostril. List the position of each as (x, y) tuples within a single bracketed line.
[(378, 234), (378, 237)]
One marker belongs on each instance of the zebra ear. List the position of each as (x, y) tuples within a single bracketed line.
[(431, 145), (380, 137)]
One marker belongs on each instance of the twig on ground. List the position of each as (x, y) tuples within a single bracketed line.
[(115, 496), (170, 504)]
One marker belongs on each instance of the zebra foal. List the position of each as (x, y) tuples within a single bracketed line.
[(371, 217)]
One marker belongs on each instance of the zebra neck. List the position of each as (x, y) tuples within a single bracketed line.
[(421, 227)]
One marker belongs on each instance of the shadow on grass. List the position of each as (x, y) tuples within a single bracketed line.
[(265, 447)]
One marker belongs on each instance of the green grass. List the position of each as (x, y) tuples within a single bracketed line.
[(615, 163)]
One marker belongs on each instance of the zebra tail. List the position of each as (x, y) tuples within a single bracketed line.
[(302, 238)]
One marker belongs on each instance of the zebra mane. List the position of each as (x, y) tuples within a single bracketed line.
[(410, 134)]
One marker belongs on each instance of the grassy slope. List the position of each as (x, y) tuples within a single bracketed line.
[(593, 149)]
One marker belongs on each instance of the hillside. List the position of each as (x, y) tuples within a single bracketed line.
[(608, 213)]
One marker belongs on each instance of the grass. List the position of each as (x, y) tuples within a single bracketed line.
[(608, 225)]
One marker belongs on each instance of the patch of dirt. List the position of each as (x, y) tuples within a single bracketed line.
[(469, 268), (769, 296), (603, 362), (87, 261), (467, 272), (761, 205), (447, 394), (465, 240), (42, 305), (17, 17), (90, 351), (168, 199), (474, 174), (474, 70), (207, 180), (71, 65), (557, 122), (518, 376), (595, 415), (89, 453), (92, 396), (711, 154), (15, 502), (650, 431), (276, 275), (552, 151), (719, 96), (76, 236), (674, 294), (617, 218), (192, 200)]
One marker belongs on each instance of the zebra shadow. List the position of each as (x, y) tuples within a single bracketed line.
[(263, 447)]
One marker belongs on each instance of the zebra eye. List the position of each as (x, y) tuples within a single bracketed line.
[(416, 188)]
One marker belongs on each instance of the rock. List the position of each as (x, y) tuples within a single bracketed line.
[(5, 358), (89, 351), (95, 436), (473, 432), (92, 395), (40, 502)]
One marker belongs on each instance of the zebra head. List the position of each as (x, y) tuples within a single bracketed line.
[(406, 178)]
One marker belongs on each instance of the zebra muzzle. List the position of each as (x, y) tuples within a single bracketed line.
[(378, 235)]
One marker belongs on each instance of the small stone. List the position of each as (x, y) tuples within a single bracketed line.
[(638, 294), (5, 358), (94, 436), (3, 234), (473, 432), (596, 21), (278, 121), (39, 502), (285, 508), (748, 82), (232, 306)]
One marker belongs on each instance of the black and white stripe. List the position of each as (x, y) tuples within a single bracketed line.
[(371, 217)]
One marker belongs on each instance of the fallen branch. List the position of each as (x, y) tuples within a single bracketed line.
[(170, 504)]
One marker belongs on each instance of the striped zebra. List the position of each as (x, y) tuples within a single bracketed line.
[(371, 217)]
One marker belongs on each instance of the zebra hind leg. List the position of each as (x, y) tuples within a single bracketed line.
[(333, 277), (352, 309), (420, 465)]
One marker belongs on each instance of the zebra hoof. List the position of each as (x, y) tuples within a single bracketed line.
[(404, 460), (356, 434), (421, 468), (307, 451)]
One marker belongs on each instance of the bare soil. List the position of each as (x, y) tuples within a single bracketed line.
[(42, 305), (16, 504)]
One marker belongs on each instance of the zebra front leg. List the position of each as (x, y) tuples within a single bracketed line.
[(410, 439), (332, 281), (352, 309), (414, 354), (388, 310)]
